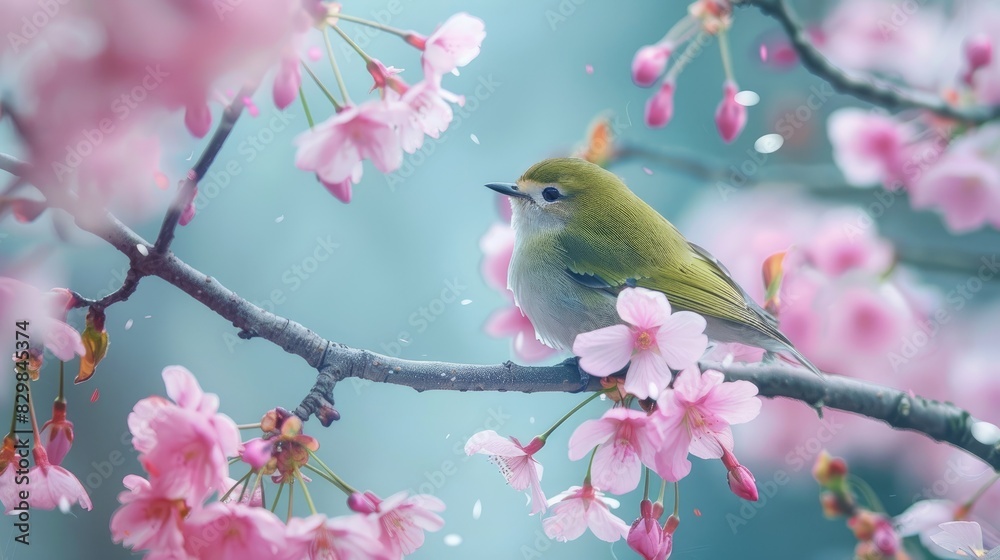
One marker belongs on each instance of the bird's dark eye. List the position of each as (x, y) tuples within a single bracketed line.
[(550, 194)]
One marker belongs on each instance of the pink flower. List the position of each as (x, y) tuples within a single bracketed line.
[(869, 148), (646, 537), (511, 322), (257, 452), (695, 416), (234, 531), (45, 313), (57, 433), (660, 107), (730, 116), (344, 189), (625, 439), (148, 520), (51, 486), (653, 341), (517, 463), (349, 537), (497, 245), (924, 518), (184, 444), (454, 44), (649, 63), (978, 53), (287, 81), (965, 188), (841, 246), (334, 148), (402, 519), (580, 508), (431, 107)]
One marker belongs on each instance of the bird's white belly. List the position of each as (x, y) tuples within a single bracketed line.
[(558, 307)]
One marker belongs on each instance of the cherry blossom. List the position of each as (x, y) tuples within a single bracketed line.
[(517, 463), (148, 519), (581, 508), (249, 532), (51, 486), (654, 340), (402, 519), (696, 414), (730, 116), (625, 440), (57, 433), (20, 301), (453, 44), (349, 537)]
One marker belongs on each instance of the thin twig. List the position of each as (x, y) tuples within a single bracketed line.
[(188, 188), (870, 89)]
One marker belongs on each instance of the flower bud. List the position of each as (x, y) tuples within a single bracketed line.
[(649, 63), (95, 344), (256, 453), (57, 433), (286, 82), (730, 116), (363, 503), (978, 51), (829, 471), (660, 107), (741, 482)]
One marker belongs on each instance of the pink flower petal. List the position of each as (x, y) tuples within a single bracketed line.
[(589, 435), (604, 351), (681, 339), (643, 308), (647, 376)]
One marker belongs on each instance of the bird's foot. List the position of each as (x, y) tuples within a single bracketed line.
[(574, 362)]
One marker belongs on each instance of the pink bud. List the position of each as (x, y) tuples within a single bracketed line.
[(287, 82), (741, 482), (660, 107), (363, 503), (730, 116), (379, 73), (198, 119), (57, 433), (649, 63), (885, 538), (187, 214), (978, 51), (646, 537), (533, 446), (256, 453)]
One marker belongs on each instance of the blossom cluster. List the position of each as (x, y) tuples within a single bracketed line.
[(185, 446), (690, 413)]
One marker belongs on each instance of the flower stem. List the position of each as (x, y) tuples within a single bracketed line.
[(325, 477), (677, 499), (326, 92), (375, 24), (336, 67), (291, 496), (336, 479), (62, 366), (645, 486), (566, 416), (305, 491), (305, 108), (249, 426), (243, 479), (590, 464), (663, 490), (727, 63), (351, 42), (274, 504), (34, 421)]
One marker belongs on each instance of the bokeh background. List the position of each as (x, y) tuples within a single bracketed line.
[(406, 238)]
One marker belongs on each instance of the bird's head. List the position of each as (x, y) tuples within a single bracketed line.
[(560, 192)]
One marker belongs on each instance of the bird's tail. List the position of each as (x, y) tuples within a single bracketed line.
[(802, 360)]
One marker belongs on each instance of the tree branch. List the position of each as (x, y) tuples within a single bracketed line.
[(941, 421), (872, 90), (188, 188)]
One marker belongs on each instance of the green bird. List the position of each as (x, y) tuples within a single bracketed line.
[(581, 236)]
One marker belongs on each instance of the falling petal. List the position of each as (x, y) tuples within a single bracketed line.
[(477, 509), (763, 52), (466, 301), (697, 512), (531, 420), (95, 395), (474, 138), (647, 171), (128, 324), (148, 317), (314, 53), (589, 68), (279, 219), (768, 143), (747, 98), (452, 540)]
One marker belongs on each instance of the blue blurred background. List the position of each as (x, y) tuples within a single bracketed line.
[(402, 241)]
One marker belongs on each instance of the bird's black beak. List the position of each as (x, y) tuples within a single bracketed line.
[(509, 189)]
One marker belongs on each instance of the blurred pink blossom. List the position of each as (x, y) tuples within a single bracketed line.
[(250, 532), (649, 63), (45, 314), (730, 116), (660, 107), (148, 519), (348, 537)]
